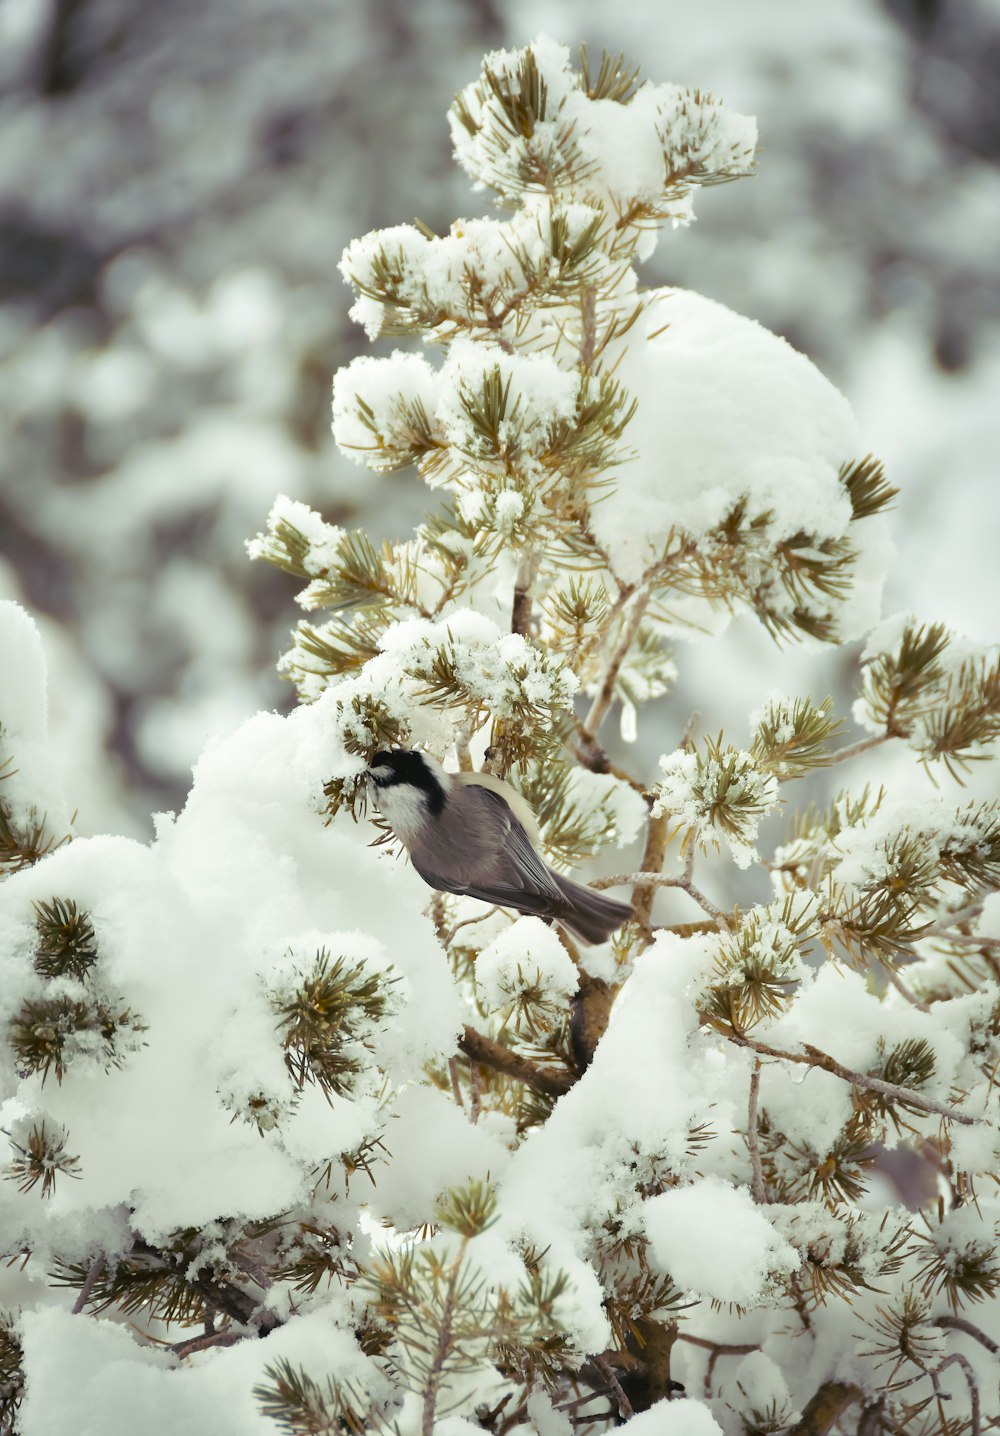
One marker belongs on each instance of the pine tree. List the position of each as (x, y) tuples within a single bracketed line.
[(495, 1177)]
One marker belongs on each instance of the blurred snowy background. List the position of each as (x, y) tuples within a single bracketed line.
[(177, 183)]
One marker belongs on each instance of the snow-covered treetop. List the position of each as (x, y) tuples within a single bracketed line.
[(533, 125)]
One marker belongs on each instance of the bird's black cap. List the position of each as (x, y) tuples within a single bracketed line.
[(390, 769)]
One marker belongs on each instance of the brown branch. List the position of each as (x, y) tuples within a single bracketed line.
[(753, 1142), (203, 1342), (502, 1059), (813, 1057), (832, 1398), (590, 1012), (252, 1270), (644, 893), (870, 1421), (588, 324)]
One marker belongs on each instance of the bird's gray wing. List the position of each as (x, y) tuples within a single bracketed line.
[(496, 860), (518, 846)]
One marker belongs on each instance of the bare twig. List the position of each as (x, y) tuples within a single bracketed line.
[(93, 1272), (604, 1367), (962, 1323), (586, 750), (753, 1142), (449, 937), (954, 919), (653, 879), (578, 1401), (854, 750), (502, 1059), (717, 1349), (902, 989), (626, 637), (456, 1089), (963, 939), (475, 1094), (955, 1358), (721, 1346), (813, 1057)]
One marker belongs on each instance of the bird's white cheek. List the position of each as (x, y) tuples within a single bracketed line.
[(404, 810)]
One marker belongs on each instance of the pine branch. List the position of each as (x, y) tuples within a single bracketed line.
[(21, 846), (42, 1157), (11, 1374), (67, 946), (867, 487), (433, 1378)]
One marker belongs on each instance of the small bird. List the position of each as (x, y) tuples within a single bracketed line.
[(471, 833)]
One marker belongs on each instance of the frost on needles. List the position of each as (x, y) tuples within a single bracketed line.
[(459, 1176)]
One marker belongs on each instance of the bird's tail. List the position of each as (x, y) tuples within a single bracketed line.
[(589, 916)]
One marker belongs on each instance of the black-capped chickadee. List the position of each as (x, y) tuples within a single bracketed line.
[(471, 833)]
